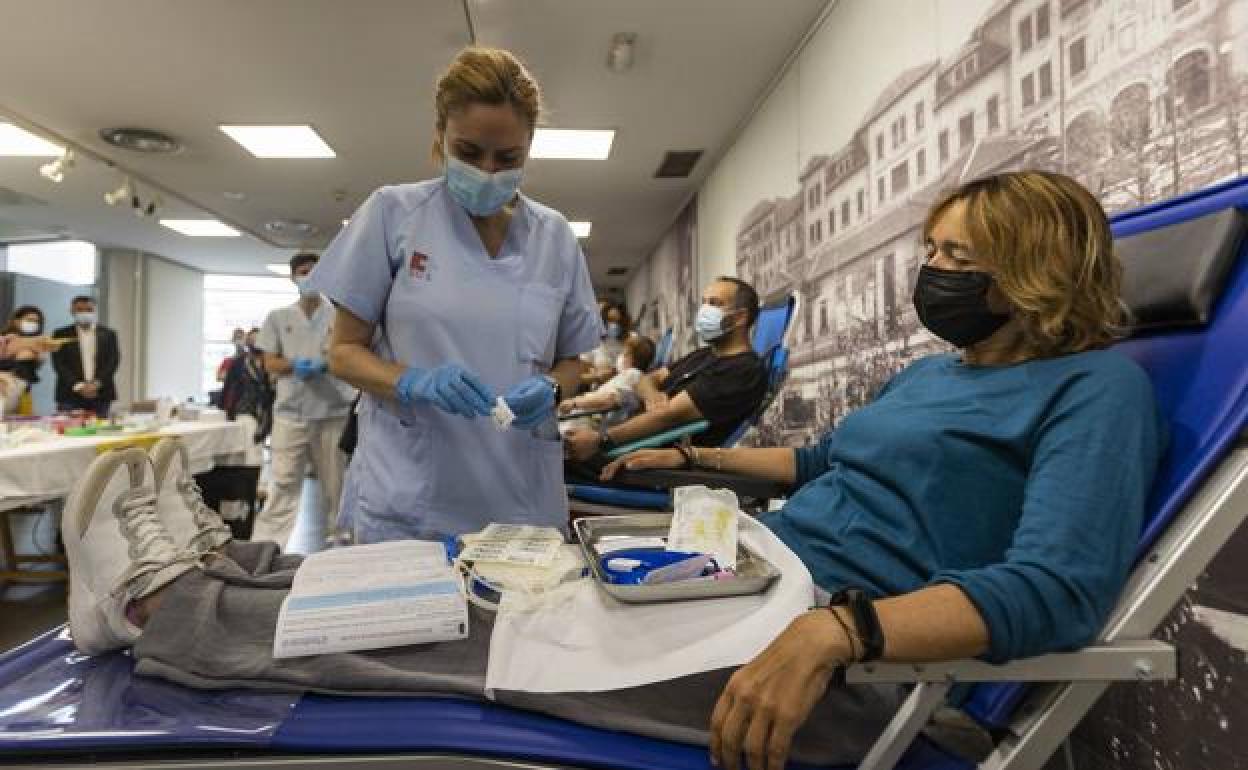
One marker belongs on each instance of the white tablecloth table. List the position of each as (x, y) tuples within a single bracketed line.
[(49, 469)]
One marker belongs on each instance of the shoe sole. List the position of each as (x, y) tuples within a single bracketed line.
[(162, 455), (79, 509), (85, 498)]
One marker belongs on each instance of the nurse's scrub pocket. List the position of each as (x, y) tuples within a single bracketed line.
[(537, 326), (392, 484)]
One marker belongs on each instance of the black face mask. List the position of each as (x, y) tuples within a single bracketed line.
[(953, 305)]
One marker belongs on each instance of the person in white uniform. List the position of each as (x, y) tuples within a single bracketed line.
[(452, 292), (310, 410)]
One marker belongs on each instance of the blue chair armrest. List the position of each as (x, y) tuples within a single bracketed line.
[(660, 439)]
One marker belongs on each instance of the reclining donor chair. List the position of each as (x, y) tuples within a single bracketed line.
[(1188, 285)]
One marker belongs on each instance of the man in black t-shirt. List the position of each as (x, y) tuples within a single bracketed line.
[(722, 383)]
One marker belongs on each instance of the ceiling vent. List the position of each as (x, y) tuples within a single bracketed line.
[(291, 230), (678, 164), (141, 140), (617, 271)]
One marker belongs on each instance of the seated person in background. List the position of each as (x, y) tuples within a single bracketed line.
[(618, 394), (987, 503), (722, 383), (601, 360)]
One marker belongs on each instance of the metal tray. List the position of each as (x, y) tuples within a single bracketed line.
[(754, 573)]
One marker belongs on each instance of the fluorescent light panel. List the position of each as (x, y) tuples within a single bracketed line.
[(200, 228), (581, 228), (19, 141), (281, 268), (572, 144), (71, 262), (280, 141)]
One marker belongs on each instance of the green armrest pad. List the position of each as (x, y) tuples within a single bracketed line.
[(660, 439)]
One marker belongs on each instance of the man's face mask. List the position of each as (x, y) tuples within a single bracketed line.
[(28, 328), (710, 323), (480, 192), (85, 318), (614, 331), (953, 305)]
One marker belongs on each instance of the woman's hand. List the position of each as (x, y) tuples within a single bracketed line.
[(643, 459), (769, 698), (567, 406)]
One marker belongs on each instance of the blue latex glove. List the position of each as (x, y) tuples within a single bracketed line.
[(449, 387), (308, 367), (531, 401)]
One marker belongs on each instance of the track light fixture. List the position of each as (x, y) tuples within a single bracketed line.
[(122, 194), (56, 170), (148, 209)]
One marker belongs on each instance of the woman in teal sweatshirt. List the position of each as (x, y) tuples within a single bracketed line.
[(988, 502)]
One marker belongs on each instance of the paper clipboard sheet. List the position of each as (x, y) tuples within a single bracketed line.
[(371, 596)]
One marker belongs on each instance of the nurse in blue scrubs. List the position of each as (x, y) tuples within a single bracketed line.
[(449, 293)]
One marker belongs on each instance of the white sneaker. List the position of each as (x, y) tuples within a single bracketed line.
[(191, 523), (118, 549)]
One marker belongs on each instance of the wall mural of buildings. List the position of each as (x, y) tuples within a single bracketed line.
[(1153, 98), (1139, 100), (672, 285)]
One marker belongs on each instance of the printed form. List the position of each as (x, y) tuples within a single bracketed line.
[(366, 597)]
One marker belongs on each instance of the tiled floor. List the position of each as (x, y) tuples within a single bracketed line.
[(28, 610)]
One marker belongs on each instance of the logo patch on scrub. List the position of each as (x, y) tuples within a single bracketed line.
[(418, 266)]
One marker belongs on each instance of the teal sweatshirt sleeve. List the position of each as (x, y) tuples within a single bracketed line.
[(1092, 464), (814, 461)]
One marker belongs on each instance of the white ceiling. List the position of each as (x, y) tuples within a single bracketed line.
[(361, 72)]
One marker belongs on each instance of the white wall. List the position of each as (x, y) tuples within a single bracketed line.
[(122, 283), (173, 324)]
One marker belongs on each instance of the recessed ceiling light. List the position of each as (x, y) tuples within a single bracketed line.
[(280, 141), (19, 141), (281, 268), (346, 222), (201, 228), (572, 143), (234, 195), (581, 228)]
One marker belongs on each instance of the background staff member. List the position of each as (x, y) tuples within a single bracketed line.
[(310, 410), (87, 363), (449, 291)]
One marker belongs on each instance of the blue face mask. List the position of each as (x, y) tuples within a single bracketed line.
[(614, 331), (480, 192), (709, 323), (301, 283)]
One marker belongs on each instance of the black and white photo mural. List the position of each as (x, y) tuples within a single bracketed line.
[(1138, 99), (670, 295), (891, 102)]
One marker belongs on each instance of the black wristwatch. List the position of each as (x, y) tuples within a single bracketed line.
[(866, 621), (554, 383), (605, 442)]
